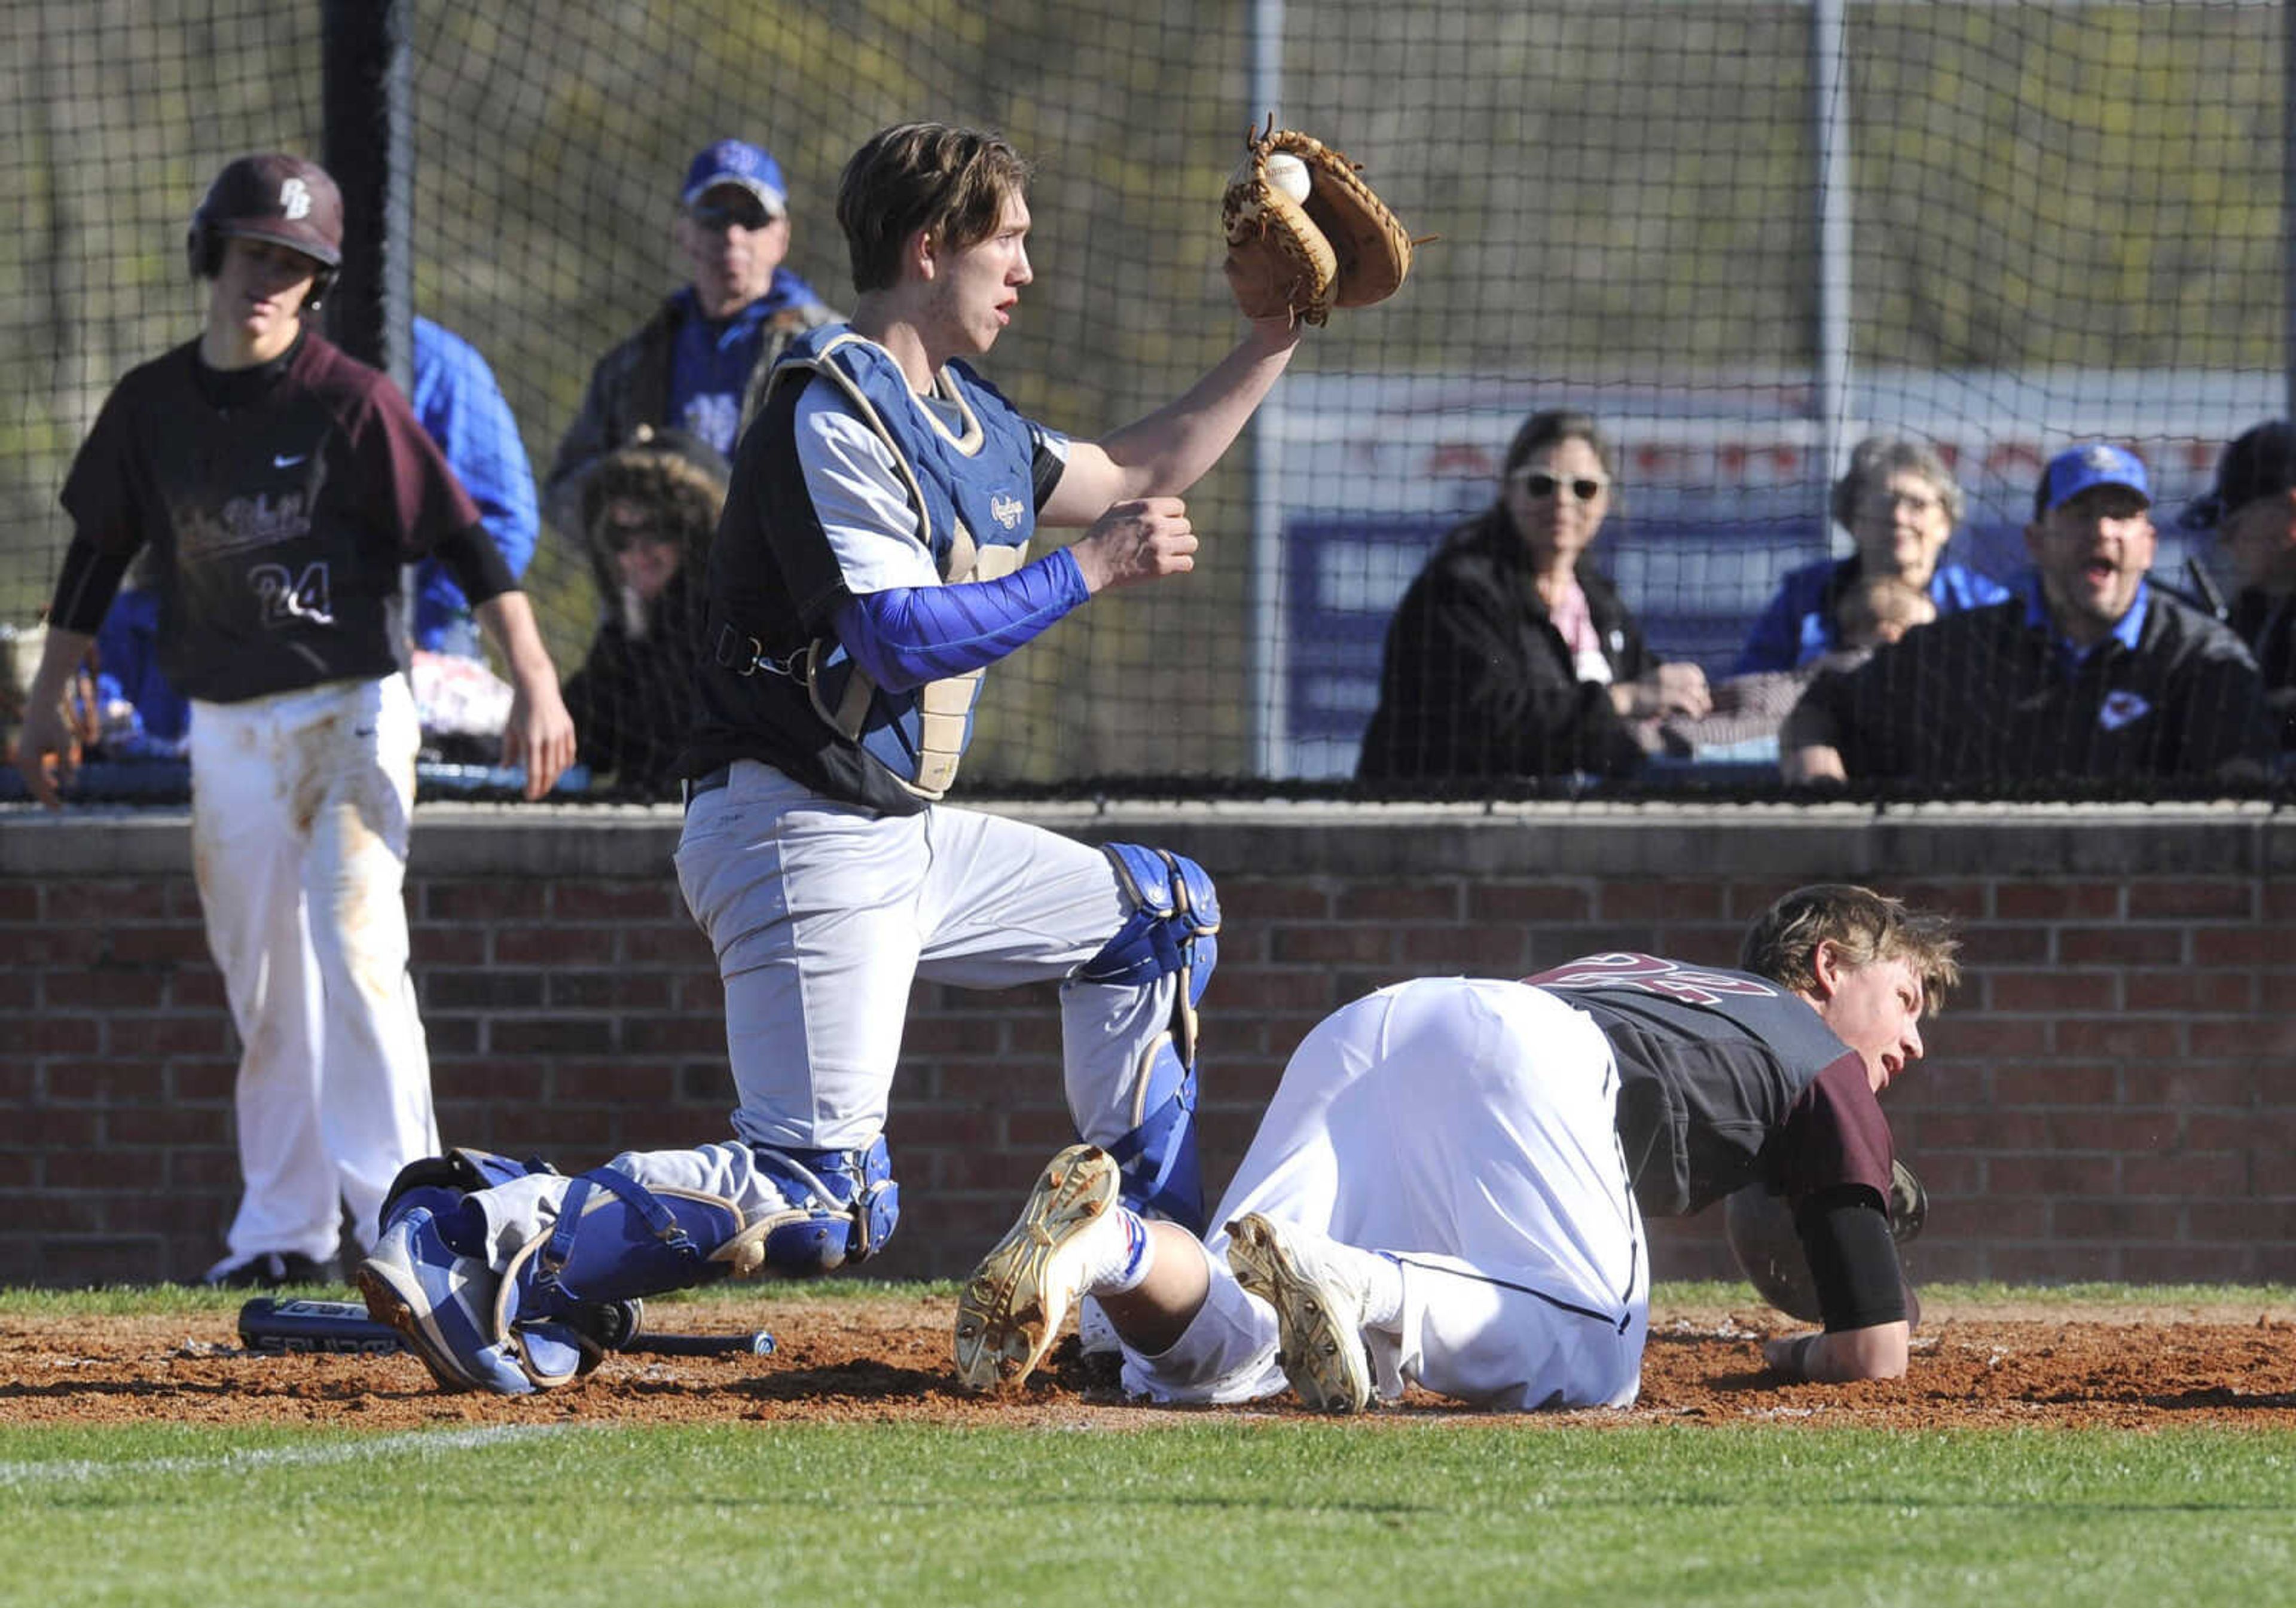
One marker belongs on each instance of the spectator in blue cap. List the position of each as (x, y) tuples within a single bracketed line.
[(2252, 508), (699, 364), (2087, 674)]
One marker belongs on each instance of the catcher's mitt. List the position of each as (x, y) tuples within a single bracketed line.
[(1760, 1229), (1302, 255)]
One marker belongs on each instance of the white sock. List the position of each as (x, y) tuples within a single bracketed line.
[(1127, 1264), (1383, 1290)]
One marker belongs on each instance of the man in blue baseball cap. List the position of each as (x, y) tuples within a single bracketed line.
[(2089, 674), (699, 364)]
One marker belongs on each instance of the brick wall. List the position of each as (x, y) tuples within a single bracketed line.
[(2111, 1097)]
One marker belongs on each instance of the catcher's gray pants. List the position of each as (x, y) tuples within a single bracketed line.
[(824, 914), (1465, 1127)]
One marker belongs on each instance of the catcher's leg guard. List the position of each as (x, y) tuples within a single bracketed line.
[(615, 1239), (438, 1183), (1172, 930)]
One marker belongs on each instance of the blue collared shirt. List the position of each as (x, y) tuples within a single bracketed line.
[(2128, 629), (461, 406)]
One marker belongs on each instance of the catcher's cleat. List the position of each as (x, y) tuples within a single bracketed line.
[(1017, 1298), (439, 1301), (1319, 1304)]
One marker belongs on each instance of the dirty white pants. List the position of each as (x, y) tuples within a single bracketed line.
[(300, 808)]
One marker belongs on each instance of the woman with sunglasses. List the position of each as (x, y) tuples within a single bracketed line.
[(1900, 504), (1511, 655)]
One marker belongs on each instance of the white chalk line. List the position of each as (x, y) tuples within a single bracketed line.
[(19, 1475)]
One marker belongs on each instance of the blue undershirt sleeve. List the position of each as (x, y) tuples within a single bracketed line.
[(907, 636)]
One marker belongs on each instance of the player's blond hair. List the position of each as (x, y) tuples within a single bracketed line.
[(1865, 926), (955, 182)]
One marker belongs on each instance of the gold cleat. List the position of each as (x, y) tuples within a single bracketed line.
[(1018, 1298)]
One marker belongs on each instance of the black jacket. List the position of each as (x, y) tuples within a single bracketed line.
[(2267, 625), (1478, 682), (1984, 696)]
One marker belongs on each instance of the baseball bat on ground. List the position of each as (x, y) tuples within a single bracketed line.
[(295, 1328)]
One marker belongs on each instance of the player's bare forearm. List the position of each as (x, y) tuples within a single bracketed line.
[(1842, 1355), (539, 734), (47, 748), (1169, 451)]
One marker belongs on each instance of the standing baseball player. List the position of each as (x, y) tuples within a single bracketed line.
[(279, 487), (872, 563), (1448, 1186)]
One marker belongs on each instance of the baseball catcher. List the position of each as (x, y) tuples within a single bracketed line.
[(1306, 233)]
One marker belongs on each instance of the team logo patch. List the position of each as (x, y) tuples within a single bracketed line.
[(295, 199), (2101, 457), (2121, 709), (1006, 511)]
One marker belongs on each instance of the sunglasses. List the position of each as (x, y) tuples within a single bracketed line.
[(1585, 488), (716, 216)]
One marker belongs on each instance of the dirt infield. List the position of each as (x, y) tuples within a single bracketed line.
[(886, 1359)]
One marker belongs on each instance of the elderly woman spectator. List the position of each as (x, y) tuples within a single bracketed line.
[(1900, 505), (1511, 655)]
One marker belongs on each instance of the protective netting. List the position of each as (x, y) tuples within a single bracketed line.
[(2046, 223)]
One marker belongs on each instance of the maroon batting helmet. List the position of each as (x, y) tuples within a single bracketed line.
[(269, 197)]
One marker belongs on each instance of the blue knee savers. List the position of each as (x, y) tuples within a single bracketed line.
[(1172, 930), (850, 1201)]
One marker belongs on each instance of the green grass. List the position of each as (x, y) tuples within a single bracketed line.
[(1232, 1510), (1227, 1508)]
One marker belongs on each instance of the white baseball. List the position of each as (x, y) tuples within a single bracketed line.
[(1288, 173)]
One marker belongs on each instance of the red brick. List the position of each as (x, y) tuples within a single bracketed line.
[(547, 1035), (663, 949), (1984, 1130), (197, 988), (81, 904), (2192, 899), (19, 984), (2115, 1219), (2052, 1264), (553, 946), (2056, 901), (160, 945), (162, 1037), (2268, 1132), (2182, 1086), (106, 990), (1959, 1037), (2055, 1085), (608, 1083), (106, 1082), (617, 990), (1535, 901), (1249, 902), (2197, 993), (458, 990), (450, 1035), (2000, 944), (2187, 1174), (2270, 1038), (702, 993), (2242, 947), (632, 901), (1659, 901), (46, 1035), (1484, 950), (1258, 989), (1433, 901), (2121, 945), (2055, 1176), (20, 901), (191, 1081), (2241, 1219), (2123, 1037), (437, 948), (167, 1127), (927, 1037), (2053, 990), (2279, 903), (1330, 945), (484, 903), (2122, 1133), (2187, 1264)]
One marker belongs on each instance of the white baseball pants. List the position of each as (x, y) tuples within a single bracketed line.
[(300, 808), (1465, 1127), (822, 914)]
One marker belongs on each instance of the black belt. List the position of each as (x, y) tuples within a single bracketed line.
[(710, 783)]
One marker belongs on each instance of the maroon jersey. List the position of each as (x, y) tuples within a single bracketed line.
[(281, 504), (1726, 1078)]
